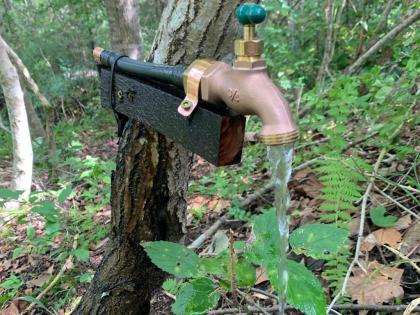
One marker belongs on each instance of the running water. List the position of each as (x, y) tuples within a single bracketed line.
[(280, 157)]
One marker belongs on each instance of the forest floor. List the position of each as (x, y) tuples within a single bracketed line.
[(29, 272)]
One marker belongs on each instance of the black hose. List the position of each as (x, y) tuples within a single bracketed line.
[(145, 70)]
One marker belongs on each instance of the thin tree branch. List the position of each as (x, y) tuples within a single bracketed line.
[(397, 203), (384, 20), (353, 68), (401, 255), (329, 18), (330, 42), (251, 301)]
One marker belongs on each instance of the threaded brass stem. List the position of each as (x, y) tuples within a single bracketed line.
[(278, 139)]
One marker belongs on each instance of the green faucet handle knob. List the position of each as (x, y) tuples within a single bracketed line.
[(250, 14)]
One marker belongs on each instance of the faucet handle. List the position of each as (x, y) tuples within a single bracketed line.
[(250, 14), (249, 49)]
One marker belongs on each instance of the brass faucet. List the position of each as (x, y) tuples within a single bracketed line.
[(245, 87)]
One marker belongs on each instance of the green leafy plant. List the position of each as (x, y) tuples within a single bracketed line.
[(205, 278)]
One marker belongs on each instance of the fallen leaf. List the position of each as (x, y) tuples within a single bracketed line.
[(219, 243), (68, 265), (368, 243), (40, 280), (12, 309), (389, 237), (50, 270), (403, 223), (261, 276), (411, 239), (306, 183), (379, 285)]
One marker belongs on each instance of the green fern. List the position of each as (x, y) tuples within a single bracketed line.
[(341, 189), (341, 178)]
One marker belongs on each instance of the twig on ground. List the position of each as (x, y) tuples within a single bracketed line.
[(401, 255), (69, 262), (354, 143), (270, 295), (251, 301), (397, 203)]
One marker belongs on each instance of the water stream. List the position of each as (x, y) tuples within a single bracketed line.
[(281, 157)]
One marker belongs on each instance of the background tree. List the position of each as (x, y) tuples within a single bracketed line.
[(123, 17), (22, 146), (150, 183)]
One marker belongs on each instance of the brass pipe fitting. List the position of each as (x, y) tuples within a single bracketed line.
[(251, 92), (246, 87)]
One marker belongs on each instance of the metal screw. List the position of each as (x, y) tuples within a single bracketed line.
[(130, 96), (120, 95), (186, 104)]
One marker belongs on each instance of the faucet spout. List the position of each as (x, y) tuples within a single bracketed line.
[(251, 92)]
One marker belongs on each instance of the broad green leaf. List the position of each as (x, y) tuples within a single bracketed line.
[(214, 265), (197, 297), (11, 283), (304, 291), (266, 232), (52, 227), (245, 275), (9, 194), (47, 209), (319, 241), (173, 258), (64, 194), (81, 253), (378, 217)]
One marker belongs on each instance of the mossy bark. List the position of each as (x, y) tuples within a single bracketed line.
[(150, 183)]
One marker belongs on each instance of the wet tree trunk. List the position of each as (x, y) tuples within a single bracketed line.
[(22, 146), (150, 182), (123, 17)]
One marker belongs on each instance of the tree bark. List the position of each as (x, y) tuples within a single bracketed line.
[(150, 183), (35, 124), (22, 146), (123, 17), (49, 109)]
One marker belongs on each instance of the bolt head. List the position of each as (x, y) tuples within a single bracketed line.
[(186, 104)]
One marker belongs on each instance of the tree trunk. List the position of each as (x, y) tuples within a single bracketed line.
[(22, 146), (150, 183), (35, 124), (123, 17)]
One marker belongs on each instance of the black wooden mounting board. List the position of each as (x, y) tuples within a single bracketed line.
[(214, 134)]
